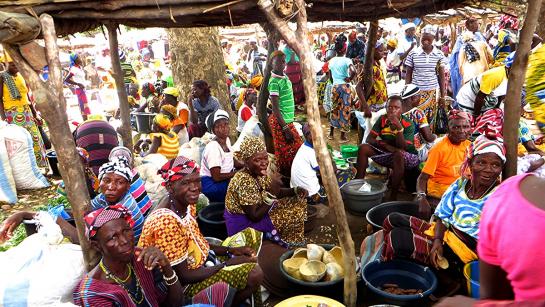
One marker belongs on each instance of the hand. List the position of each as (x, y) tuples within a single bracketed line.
[(347, 79), (395, 122), (441, 102), (367, 113), (81, 86), (190, 100), (9, 225), (152, 257), (243, 251), (301, 192), (456, 301), (424, 208), (240, 260), (288, 136), (436, 252), (276, 184)]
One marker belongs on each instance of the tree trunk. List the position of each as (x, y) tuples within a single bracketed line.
[(125, 130), (197, 55), (50, 102), (541, 24), (299, 42), (517, 77)]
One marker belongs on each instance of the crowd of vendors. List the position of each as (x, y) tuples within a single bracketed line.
[(434, 108)]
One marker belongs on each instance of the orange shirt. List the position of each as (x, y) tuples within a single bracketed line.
[(443, 165)]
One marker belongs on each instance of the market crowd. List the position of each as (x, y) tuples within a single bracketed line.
[(433, 112)]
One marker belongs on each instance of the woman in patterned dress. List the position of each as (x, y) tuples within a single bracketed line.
[(256, 200), (174, 230), (456, 226), (16, 109)]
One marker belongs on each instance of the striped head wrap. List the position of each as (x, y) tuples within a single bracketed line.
[(488, 143), (249, 147), (457, 114), (119, 166), (409, 90), (98, 218), (121, 151), (163, 121), (177, 169)]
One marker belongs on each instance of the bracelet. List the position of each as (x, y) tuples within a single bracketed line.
[(285, 128), (172, 283), (421, 194), (171, 277)]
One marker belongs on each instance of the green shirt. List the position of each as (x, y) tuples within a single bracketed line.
[(280, 86), (383, 129)]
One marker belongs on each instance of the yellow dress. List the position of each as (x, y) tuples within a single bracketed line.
[(169, 144)]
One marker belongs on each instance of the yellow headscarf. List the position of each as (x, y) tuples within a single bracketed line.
[(171, 91), (256, 81), (163, 121)]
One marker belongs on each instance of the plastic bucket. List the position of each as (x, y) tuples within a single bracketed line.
[(349, 151), (144, 121), (471, 273)]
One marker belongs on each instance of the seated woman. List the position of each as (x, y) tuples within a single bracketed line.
[(130, 277), (395, 149), (217, 164), (457, 217), (424, 138), (115, 178), (163, 140), (443, 165), (174, 230), (255, 200), (201, 103), (138, 188), (90, 177), (150, 100)]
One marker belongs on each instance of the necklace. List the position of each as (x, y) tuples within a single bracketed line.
[(469, 186), (134, 296)]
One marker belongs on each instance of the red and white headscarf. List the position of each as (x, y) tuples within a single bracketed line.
[(490, 142), (177, 169), (98, 218)]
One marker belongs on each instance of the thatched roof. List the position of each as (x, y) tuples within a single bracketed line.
[(73, 16)]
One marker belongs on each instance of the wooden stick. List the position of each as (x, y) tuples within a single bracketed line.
[(517, 77), (272, 36), (125, 129), (370, 58), (221, 5), (302, 48)]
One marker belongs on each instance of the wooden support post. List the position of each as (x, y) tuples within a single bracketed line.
[(273, 37), (50, 102), (125, 129), (370, 58), (517, 77), (298, 41)]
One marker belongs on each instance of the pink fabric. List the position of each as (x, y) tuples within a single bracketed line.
[(511, 236)]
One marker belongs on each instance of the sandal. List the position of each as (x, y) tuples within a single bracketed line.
[(341, 141)]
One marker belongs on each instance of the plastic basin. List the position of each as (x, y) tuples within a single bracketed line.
[(349, 151), (376, 215), (211, 221), (471, 273), (359, 202), (143, 121), (405, 274)]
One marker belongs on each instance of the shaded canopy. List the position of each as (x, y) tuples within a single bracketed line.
[(73, 16)]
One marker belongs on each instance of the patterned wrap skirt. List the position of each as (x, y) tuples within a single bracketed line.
[(386, 159), (284, 152), (22, 116), (82, 101), (341, 112), (428, 104)]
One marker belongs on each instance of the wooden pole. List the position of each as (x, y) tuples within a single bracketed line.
[(125, 129), (273, 37), (298, 41), (517, 77), (50, 102), (370, 58)]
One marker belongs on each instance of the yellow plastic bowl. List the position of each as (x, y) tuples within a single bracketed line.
[(313, 270), (292, 265), (337, 253), (300, 253)]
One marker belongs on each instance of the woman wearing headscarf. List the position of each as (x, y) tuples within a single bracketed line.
[(293, 71), (163, 140), (180, 121), (285, 137), (173, 228), (201, 104), (378, 95), (15, 108), (457, 217), (258, 201), (98, 137), (92, 180), (115, 182), (131, 277), (76, 77), (150, 100), (218, 165), (507, 38), (342, 71), (138, 188)]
